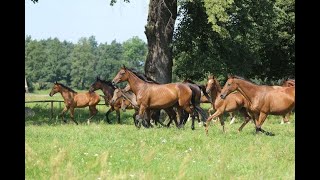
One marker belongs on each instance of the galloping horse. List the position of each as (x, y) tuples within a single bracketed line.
[(155, 96), (108, 89), (73, 100), (129, 99), (197, 92), (263, 100), (231, 103)]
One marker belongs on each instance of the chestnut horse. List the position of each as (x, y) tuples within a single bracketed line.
[(108, 89), (156, 96), (129, 99), (231, 103), (73, 100), (287, 83), (263, 100)]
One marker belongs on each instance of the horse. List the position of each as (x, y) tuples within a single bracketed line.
[(73, 99), (129, 99), (233, 102), (263, 100), (287, 83), (198, 91), (156, 96), (108, 89)]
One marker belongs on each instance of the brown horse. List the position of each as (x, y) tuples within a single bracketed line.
[(263, 100), (73, 100), (108, 89), (155, 96), (287, 83), (231, 103), (129, 99)]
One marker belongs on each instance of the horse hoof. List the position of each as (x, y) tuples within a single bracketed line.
[(270, 134), (192, 128)]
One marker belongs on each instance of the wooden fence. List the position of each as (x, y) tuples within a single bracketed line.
[(51, 102)]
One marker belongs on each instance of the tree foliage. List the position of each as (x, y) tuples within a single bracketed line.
[(254, 39)]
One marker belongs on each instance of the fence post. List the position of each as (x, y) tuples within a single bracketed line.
[(51, 110)]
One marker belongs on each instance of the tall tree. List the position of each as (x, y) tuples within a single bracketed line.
[(159, 31)]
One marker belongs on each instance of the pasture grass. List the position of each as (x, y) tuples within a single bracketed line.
[(54, 150)]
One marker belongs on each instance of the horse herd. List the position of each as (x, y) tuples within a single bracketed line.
[(147, 97)]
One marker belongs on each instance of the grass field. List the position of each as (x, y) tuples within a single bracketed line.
[(54, 150)]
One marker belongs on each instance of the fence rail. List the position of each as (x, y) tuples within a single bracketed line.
[(51, 102)]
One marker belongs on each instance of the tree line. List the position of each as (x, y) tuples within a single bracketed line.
[(77, 65)]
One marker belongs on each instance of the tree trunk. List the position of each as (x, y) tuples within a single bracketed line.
[(159, 31)]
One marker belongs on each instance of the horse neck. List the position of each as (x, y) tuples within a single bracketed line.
[(107, 90), (135, 83), (215, 92), (66, 94), (248, 89)]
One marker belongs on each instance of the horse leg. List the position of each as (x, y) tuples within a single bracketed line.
[(107, 114), (221, 122), (72, 115), (232, 117), (285, 118), (93, 112), (118, 115), (139, 117), (247, 118), (216, 114), (134, 117), (172, 116), (65, 109), (180, 114), (149, 118), (262, 118)]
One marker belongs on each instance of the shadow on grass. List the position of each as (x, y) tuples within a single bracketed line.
[(42, 115)]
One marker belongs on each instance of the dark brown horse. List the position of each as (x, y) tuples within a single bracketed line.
[(73, 100), (197, 92), (156, 96), (108, 89), (263, 100), (233, 102)]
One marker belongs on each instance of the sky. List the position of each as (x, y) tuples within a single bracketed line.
[(72, 19)]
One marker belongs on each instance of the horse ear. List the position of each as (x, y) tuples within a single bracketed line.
[(124, 67), (56, 82)]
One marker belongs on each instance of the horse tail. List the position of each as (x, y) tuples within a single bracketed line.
[(203, 89), (202, 113), (197, 107)]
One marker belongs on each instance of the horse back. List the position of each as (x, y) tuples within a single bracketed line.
[(280, 101)]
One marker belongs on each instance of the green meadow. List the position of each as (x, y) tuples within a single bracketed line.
[(55, 150)]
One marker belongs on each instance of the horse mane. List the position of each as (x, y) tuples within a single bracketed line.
[(66, 87), (189, 81), (242, 78), (142, 76), (109, 83)]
